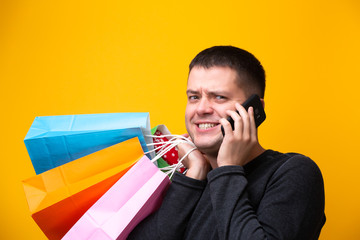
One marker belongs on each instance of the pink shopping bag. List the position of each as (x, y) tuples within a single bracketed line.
[(132, 198)]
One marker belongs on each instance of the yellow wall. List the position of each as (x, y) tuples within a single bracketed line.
[(73, 57)]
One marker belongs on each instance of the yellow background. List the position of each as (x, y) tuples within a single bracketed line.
[(74, 57)]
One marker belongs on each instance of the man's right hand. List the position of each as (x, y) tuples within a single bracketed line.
[(196, 163)]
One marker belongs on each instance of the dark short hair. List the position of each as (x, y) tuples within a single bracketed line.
[(244, 63)]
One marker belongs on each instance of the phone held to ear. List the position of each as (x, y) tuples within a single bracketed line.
[(259, 113)]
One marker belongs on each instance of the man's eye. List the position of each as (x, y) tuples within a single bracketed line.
[(220, 97), (193, 97)]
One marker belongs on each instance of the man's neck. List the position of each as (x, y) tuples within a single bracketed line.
[(255, 152)]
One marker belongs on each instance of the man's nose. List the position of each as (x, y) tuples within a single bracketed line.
[(204, 107)]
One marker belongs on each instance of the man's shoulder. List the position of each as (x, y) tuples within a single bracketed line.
[(280, 162), (286, 158), (295, 164)]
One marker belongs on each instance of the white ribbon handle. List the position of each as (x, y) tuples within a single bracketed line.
[(165, 147)]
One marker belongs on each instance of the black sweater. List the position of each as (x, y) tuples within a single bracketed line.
[(275, 196)]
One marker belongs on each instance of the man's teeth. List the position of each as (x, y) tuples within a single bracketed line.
[(206, 125)]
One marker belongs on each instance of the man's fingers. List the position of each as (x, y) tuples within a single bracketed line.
[(238, 122), (185, 135), (253, 129), (226, 125)]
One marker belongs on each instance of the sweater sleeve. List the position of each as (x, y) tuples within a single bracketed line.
[(170, 221), (292, 206)]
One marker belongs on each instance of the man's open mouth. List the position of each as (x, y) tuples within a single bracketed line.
[(205, 126)]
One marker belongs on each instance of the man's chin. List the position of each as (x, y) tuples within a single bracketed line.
[(208, 147)]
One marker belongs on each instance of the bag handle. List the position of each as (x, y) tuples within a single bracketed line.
[(164, 147)]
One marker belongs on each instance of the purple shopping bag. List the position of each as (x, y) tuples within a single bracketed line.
[(132, 198)]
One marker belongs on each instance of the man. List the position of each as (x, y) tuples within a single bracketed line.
[(234, 188)]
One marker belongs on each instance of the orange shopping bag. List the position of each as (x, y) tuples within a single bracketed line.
[(58, 197)]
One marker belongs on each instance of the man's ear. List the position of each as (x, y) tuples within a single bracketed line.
[(262, 102)]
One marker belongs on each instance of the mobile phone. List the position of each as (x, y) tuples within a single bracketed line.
[(259, 113)]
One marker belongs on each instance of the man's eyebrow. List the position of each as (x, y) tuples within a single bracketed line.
[(191, 92), (212, 93), (217, 93)]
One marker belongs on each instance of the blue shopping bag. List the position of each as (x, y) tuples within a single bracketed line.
[(55, 140)]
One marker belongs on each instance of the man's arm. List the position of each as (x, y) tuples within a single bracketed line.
[(292, 206)]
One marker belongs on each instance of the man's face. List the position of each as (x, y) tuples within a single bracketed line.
[(210, 93)]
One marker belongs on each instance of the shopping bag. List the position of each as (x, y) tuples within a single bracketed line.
[(132, 198), (171, 157), (59, 197), (155, 131), (161, 135), (55, 140)]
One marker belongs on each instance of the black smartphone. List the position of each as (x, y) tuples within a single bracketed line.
[(259, 113)]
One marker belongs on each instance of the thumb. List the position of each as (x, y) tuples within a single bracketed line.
[(185, 135)]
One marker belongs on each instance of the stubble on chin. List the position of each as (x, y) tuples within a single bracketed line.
[(210, 147)]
